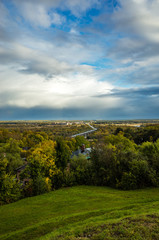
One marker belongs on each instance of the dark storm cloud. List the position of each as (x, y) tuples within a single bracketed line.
[(133, 92), (41, 113), (13, 113), (138, 102)]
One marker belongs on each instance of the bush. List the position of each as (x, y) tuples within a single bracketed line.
[(41, 185), (57, 179), (69, 178), (128, 181), (82, 169)]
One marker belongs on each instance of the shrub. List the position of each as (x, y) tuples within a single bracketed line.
[(128, 181), (41, 185)]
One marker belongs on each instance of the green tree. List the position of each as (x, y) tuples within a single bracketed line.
[(10, 190), (62, 153), (12, 153), (81, 167), (80, 140), (104, 163)]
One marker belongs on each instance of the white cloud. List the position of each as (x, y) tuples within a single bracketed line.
[(135, 53), (3, 15), (78, 7), (36, 14), (43, 13), (57, 19), (49, 67), (74, 92), (139, 17)]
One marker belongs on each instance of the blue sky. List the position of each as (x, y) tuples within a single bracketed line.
[(71, 59)]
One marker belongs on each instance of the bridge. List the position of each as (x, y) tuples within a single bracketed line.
[(85, 133)]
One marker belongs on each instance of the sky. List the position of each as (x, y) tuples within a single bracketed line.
[(71, 59)]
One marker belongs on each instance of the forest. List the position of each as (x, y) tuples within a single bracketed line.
[(37, 159)]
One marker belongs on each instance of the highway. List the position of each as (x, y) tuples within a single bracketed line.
[(85, 133)]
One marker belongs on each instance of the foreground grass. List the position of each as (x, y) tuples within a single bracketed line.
[(83, 212), (145, 227)]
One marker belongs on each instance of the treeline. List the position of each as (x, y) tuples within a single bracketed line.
[(149, 132), (33, 163), (140, 134), (50, 128)]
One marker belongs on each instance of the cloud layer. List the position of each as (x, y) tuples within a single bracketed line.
[(79, 59)]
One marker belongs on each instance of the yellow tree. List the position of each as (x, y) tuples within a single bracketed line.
[(42, 159), (42, 167)]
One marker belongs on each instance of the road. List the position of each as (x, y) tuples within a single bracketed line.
[(85, 133)]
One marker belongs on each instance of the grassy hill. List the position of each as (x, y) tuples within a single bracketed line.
[(83, 212)]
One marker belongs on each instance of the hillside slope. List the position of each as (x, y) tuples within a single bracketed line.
[(75, 211)]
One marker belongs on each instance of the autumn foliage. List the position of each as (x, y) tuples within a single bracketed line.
[(36, 162)]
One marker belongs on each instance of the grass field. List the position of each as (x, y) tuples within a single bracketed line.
[(83, 212)]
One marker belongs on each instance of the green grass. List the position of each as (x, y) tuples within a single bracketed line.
[(83, 212)]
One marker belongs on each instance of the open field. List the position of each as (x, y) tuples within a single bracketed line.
[(83, 212)]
